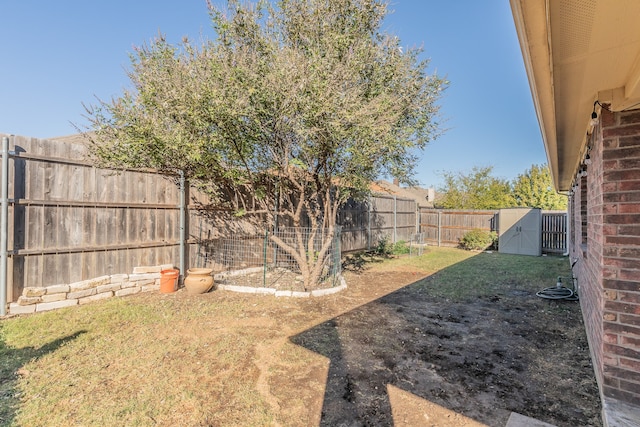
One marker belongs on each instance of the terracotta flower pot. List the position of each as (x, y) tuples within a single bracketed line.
[(198, 280), (169, 280)]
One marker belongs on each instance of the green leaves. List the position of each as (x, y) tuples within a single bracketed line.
[(479, 189), (304, 93), (476, 190), (534, 188)]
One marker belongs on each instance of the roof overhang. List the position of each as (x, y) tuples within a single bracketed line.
[(577, 52)]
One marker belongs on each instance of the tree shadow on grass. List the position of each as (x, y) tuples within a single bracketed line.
[(357, 262), (12, 360), (480, 356)]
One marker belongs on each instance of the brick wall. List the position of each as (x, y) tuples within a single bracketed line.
[(608, 267), (586, 208)]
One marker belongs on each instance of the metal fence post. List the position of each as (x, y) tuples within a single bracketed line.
[(369, 224), (3, 225), (395, 219), (439, 228), (264, 258), (182, 226)]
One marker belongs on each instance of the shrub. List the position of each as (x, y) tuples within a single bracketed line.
[(477, 239), (401, 247), (385, 247)]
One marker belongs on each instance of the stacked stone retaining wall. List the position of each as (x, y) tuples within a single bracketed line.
[(38, 299), (143, 279)]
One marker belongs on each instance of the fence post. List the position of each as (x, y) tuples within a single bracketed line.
[(3, 225), (439, 227), (369, 224), (264, 258), (182, 227), (395, 219)]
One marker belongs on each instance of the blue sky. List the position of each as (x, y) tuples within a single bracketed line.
[(55, 56)]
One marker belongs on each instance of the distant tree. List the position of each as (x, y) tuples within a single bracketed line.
[(475, 190), (291, 99), (534, 188)]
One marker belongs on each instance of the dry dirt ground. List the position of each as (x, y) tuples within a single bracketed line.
[(394, 355), (383, 352), (406, 358), (410, 359)]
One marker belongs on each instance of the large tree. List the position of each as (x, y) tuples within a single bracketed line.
[(293, 108), (478, 189), (534, 188)]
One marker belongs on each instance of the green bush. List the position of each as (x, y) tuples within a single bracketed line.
[(385, 247), (401, 247), (477, 239)]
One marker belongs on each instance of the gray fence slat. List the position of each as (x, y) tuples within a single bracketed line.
[(107, 222), (71, 221), (455, 223)]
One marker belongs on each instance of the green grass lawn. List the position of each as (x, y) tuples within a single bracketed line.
[(176, 359)]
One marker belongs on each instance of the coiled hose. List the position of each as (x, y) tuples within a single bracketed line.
[(559, 292)]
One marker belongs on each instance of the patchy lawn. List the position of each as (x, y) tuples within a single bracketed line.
[(451, 338)]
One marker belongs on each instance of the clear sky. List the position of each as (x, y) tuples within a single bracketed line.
[(55, 56)]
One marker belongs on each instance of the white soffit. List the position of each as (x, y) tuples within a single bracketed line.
[(577, 52)]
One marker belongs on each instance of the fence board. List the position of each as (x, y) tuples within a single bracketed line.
[(447, 227), (554, 232), (71, 221), (75, 273)]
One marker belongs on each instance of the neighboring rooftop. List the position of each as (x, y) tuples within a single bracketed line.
[(423, 196)]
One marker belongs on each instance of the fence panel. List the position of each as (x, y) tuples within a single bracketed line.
[(446, 227), (70, 221), (354, 219), (554, 232), (383, 217), (405, 215)]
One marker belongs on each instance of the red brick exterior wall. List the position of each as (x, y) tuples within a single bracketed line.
[(586, 214), (608, 264)]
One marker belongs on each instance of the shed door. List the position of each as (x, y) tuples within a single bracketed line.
[(520, 231)]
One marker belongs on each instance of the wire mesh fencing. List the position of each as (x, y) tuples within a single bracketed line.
[(417, 244), (291, 259)]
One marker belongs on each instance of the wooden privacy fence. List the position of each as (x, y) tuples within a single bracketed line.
[(446, 227), (382, 217), (554, 232), (70, 221)]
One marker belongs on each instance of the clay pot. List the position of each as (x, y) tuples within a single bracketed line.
[(198, 280), (169, 281)]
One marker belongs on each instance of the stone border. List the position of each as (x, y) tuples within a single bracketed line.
[(277, 293), (143, 279), (38, 299)]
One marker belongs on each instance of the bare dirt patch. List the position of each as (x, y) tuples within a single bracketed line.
[(464, 363)]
